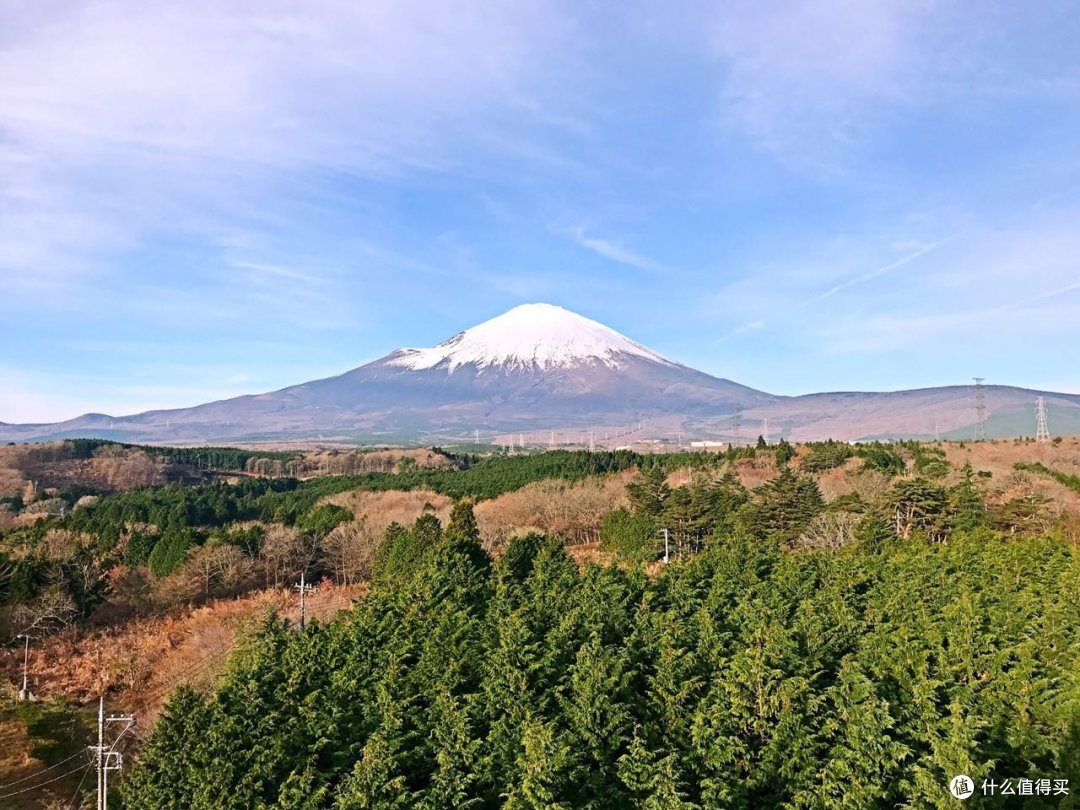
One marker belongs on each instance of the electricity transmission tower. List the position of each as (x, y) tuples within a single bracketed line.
[(736, 420), (304, 590), (765, 429), (1042, 432), (980, 408)]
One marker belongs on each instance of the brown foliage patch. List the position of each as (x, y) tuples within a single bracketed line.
[(1000, 457), (349, 462), (47, 466), (753, 472), (139, 663), (570, 511), (380, 509)]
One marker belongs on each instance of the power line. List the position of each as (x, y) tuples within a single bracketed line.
[(43, 770), (42, 784), (195, 669), (189, 673), (78, 787), (186, 675)]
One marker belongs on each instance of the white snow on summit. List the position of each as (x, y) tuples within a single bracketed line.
[(529, 336)]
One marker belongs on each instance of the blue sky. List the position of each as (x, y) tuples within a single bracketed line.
[(205, 199)]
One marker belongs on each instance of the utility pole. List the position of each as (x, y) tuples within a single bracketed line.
[(100, 749), (105, 757), (25, 693), (1042, 431), (667, 546), (304, 591)]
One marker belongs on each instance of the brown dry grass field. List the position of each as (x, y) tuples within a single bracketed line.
[(137, 662)]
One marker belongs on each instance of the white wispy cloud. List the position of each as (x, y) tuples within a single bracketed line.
[(808, 77), (277, 271), (614, 251), (1037, 299), (1006, 288), (753, 326), (125, 119)]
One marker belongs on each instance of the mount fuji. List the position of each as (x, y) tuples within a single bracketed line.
[(540, 369)]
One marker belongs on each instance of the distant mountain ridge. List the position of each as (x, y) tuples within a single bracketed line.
[(542, 373)]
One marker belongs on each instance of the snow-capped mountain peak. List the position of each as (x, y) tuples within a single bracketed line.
[(530, 336)]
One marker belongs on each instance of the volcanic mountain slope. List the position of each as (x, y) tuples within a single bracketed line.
[(541, 368), (535, 367)]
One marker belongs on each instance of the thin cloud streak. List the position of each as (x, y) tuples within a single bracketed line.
[(276, 270), (881, 271), (614, 251), (1037, 299), (753, 326)]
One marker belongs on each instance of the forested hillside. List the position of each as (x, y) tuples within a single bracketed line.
[(745, 676), (63, 565), (838, 626)]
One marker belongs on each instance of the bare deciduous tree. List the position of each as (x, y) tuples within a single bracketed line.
[(350, 549), (51, 611), (829, 530), (219, 564), (284, 553)]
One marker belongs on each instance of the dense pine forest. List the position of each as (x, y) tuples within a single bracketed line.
[(745, 676), (850, 629)]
